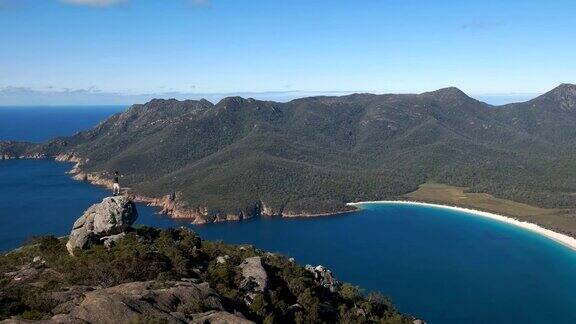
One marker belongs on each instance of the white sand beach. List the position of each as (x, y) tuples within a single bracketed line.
[(559, 238)]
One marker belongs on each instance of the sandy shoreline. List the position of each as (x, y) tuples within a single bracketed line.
[(557, 237)]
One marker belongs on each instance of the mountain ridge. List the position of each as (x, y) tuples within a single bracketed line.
[(243, 157)]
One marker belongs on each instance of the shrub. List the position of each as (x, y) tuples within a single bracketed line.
[(192, 307), (259, 305), (150, 254)]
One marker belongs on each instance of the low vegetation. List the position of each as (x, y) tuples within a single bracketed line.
[(31, 275)]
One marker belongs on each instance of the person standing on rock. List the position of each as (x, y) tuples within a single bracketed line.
[(116, 185)]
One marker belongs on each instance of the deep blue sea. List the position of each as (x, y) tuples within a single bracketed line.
[(37, 124), (440, 265)]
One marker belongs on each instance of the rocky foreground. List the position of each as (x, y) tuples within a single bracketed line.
[(107, 271)]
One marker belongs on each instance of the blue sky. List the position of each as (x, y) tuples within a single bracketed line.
[(135, 47)]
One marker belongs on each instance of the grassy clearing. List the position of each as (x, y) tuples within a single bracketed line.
[(556, 219), (458, 196)]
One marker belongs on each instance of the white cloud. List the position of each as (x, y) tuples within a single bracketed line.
[(95, 3), (25, 96)]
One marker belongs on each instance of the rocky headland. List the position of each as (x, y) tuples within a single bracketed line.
[(107, 271)]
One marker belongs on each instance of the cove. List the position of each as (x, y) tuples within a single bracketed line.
[(441, 265)]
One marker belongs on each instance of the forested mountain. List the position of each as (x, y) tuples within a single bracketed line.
[(241, 157), (551, 116)]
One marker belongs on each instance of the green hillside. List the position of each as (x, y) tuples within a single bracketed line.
[(244, 157)]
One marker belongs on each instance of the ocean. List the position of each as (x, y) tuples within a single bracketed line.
[(441, 265), (37, 124)]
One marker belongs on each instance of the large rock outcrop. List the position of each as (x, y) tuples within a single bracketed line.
[(324, 277), (103, 222), (144, 302), (172, 302), (255, 277)]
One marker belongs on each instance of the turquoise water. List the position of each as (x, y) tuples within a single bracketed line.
[(441, 265)]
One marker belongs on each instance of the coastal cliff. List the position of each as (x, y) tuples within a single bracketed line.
[(107, 271), (173, 205)]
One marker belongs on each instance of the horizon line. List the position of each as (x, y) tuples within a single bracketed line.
[(29, 97)]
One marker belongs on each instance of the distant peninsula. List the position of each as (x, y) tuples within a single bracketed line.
[(243, 157)]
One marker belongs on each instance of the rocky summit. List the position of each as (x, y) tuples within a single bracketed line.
[(105, 222), (120, 274)]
